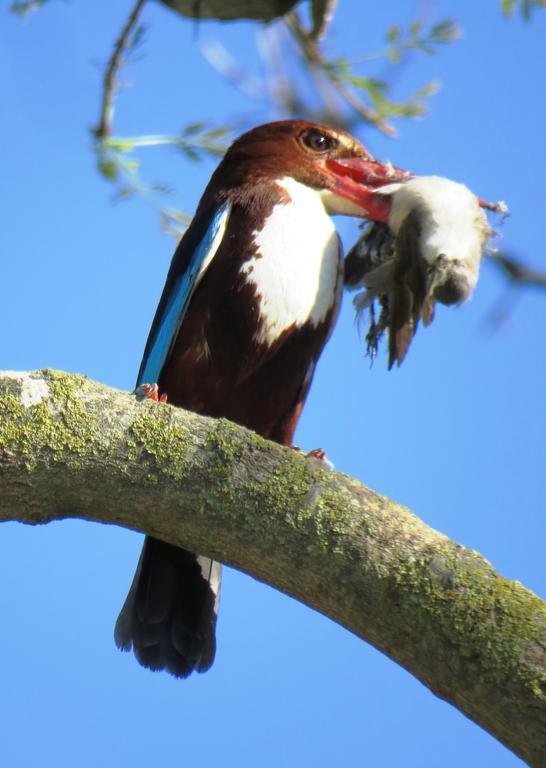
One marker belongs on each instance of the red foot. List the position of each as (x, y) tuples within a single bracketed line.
[(150, 392), (320, 455), (317, 453)]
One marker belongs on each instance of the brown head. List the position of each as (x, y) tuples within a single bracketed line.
[(326, 159)]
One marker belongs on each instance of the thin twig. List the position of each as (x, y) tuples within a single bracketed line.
[(104, 127), (322, 12)]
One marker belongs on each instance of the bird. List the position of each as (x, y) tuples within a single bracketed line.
[(249, 302), (428, 250)]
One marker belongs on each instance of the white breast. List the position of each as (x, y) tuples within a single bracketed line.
[(297, 269)]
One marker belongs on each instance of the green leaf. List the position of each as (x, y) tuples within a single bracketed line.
[(338, 66), (24, 7), (119, 145), (394, 54), (162, 188), (444, 32), (190, 152), (369, 84), (524, 6), (193, 128), (124, 193), (428, 90), (109, 169), (425, 48), (394, 34), (217, 133)]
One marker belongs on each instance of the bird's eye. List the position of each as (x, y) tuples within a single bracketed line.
[(317, 141)]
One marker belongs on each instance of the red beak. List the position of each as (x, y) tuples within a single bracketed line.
[(357, 178), (368, 171)]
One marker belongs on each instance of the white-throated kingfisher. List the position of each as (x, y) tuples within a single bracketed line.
[(250, 299)]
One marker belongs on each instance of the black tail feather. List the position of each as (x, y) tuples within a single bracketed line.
[(169, 616)]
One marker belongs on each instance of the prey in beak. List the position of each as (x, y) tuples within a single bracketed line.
[(425, 248)]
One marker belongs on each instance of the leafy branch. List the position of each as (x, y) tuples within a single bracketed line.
[(339, 83), (416, 39), (525, 7), (116, 158), (25, 7), (117, 161), (369, 96)]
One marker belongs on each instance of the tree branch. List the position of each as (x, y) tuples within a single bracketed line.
[(312, 55), (104, 126), (73, 448)]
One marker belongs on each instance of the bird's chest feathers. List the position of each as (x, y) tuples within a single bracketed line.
[(296, 267)]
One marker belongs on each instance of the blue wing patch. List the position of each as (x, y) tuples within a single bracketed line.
[(181, 294)]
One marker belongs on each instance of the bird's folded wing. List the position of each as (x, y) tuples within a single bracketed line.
[(191, 259)]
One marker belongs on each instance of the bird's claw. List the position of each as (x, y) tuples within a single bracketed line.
[(149, 392), (319, 454)]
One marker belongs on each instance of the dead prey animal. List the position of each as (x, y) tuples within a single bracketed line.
[(429, 252)]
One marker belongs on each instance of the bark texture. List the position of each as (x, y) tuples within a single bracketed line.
[(73, 448)]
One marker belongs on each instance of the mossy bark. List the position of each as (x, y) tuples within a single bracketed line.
[(73, 448)]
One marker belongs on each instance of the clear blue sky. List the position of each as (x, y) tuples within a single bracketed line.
[(457, 433)]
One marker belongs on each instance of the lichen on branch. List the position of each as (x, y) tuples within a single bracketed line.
[(70, 447)]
